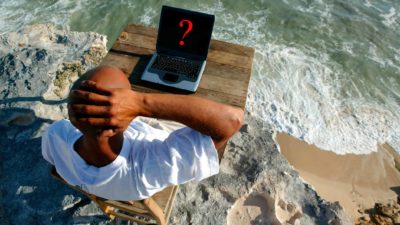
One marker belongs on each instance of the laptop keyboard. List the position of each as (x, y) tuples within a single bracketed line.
[(176, 65)]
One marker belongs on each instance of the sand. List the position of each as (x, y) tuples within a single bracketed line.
[(355, 181)]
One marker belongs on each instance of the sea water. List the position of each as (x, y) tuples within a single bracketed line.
[(325, 71)]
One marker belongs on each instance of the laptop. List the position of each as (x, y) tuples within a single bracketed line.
[(182, 46)]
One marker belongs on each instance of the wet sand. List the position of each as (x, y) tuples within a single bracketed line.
[(356, 181)]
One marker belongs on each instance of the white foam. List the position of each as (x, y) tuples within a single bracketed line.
[(16, 14), (148, 16), (297, 92), (368, 4), (389, 19)]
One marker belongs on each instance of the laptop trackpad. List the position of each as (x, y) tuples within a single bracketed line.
[(170, 77)]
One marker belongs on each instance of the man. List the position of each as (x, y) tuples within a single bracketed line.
[(106, 151)]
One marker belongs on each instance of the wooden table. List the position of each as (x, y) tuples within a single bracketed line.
[(225, 78)]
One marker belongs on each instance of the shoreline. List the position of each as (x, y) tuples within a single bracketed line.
[(357, 182)]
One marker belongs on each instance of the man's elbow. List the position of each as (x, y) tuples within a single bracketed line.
[(235, 122), (232, 125), (237, 119)]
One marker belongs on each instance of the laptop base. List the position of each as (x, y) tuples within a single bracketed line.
[(171, 79)]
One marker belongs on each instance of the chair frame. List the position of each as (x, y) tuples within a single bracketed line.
[(144, 212)]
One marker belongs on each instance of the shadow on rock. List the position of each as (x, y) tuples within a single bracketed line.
[(26, 186), (33, 99), (21, 118)]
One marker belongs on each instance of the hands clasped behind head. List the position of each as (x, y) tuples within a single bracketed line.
[(97, 109)]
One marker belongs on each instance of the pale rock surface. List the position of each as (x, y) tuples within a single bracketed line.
[(256, 184), (387, 213)]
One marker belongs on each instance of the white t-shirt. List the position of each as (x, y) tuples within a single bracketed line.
[(150, 160)]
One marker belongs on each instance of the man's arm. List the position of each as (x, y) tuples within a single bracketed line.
[(217, 120), (116, 108)]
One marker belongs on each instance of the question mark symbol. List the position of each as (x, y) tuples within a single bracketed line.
[(190, 27)]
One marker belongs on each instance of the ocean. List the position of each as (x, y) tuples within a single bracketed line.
[(325, 71)]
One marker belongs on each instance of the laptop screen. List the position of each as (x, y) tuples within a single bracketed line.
[(184, 33)]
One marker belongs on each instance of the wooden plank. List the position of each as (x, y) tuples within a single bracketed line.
[(139, 29), (126, 63), (224, 85), (138, 40), (170, 203), (127, 217), (131, 49), (164, 196), (105, 208), (155, 210), (128, 206), (221, 97), (230, 59), (227, 71)]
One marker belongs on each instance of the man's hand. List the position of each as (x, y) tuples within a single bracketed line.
[(112, 110)]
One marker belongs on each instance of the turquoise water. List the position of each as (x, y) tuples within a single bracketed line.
[(325, 71)]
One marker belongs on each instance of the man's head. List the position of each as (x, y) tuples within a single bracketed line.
[(106, 76)]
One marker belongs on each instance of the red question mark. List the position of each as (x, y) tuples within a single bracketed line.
[(190, 27)]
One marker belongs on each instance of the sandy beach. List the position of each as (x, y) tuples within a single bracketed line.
[(356, 181)]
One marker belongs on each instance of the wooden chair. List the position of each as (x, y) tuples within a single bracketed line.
[(153, 210)]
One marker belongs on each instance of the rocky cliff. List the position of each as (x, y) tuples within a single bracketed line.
[(256, 184)]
